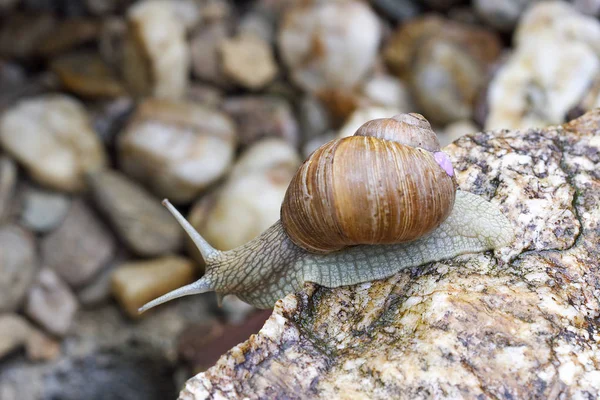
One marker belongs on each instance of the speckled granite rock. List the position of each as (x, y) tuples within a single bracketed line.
[(522, 322)]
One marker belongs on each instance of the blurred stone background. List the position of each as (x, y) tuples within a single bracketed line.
[(108, 106)]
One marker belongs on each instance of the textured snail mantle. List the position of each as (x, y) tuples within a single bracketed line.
[(359, 209)]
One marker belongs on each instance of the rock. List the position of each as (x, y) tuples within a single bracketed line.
[(8, 181), (444, 62), (456, 130), (137, 216), (156, 57), (328, 46), (207, 95), (87, 75), (51, 303), (18, 265), (442, 5), (313, 118), (80, 247), (589, 7), (520, 322), (99, 290), (41, 347), (362, 115), (43, 210), (502, 15), (248, 60), (136, 283), (316, 142), (260, 23), (14, 333), (535, 88), (109, 117), (258, 117), (249, 202), (21, 34), (387, 91), (206, 57), (67, 35), (176, 148), (201, 344), (237, 311), (52, 137), (399, 10)]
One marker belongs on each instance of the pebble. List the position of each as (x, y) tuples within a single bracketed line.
[(157, 57), (53, 138), (8, 180), (445, 64), (249, 201), (502, 15), (175, 148), (387, 91), (399, 10), (205, 52), (136, 283), (68, 34), (51, 303), (109, 118), (18, 265), (137, 216), (87, 75), (21, 34), (313, 118), (561, 82), (258, 117), (248, 60), (79, 248), (456, 130), (14, 333), (329, 45), (362, 115), (41, 347), (43, 210)]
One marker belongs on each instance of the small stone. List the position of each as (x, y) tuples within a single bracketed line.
[(43, 210), (206, 95), (387, 91), (51, 303), (67, 35), (535, 87), (137, 216), (456, 130), (14, 333), (362, 115), (175, 148), (41, 347), (249, 202), (258, 117), (18, 265), (136, 283), (53, 138), (79, 247), (399, 10), (316, 142), (98, 291), (8, 180), (502, 15), (21, 34), (248, 61), (329, 45), (206, 57), (258, 23), (236, 310), (313, 118), (87, 75), (109, 118), (156, 58), (445, 64)]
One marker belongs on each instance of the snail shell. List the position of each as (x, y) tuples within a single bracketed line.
[(381, 186)]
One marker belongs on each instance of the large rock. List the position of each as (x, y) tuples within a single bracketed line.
[(521, 322)]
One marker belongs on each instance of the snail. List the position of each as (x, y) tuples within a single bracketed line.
[(359, 209)]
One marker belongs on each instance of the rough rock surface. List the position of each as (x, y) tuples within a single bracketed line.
[(522, 322)]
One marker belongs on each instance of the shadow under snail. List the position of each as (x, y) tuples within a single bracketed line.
[(359, 209)]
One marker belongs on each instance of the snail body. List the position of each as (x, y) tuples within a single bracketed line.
[(347, 219)]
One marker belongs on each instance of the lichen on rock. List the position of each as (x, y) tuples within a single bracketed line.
[(522, 322)]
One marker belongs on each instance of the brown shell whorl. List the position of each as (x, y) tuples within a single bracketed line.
[(409, 129), (368, 189)]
